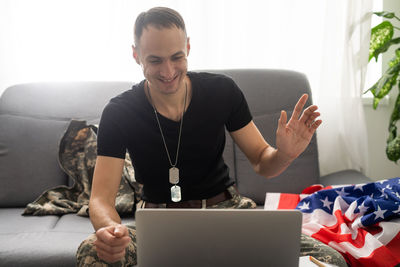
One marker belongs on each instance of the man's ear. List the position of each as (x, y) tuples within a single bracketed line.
[(187, 46), (135, 54)]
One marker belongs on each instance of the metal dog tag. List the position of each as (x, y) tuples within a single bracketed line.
[(176, 193), (174, 175)]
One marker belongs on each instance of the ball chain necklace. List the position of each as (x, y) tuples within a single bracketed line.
[(173, 171)]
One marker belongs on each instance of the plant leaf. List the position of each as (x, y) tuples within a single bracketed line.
[(375, 102), (394, 118), (383, 86), (385, 14), (381, 34), (393, 149), (385, 47), (392, 133), (394, 63)]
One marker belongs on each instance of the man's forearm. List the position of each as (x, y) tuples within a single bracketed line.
[(271, 162), (103, 214)]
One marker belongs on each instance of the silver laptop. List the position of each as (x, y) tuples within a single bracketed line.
[(218, 237)]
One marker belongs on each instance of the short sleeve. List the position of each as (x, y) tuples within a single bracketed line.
[(240, 114), (110, 141)]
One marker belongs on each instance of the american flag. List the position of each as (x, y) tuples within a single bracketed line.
[(360, 221)]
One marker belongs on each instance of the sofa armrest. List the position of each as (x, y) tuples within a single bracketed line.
[(344, 177)]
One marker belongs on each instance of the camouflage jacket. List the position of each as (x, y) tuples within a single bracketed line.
[(77, 157)]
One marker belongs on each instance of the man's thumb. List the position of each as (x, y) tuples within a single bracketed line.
[(118, 231)]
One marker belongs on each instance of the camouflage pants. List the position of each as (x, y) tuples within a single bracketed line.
[(87, 256)]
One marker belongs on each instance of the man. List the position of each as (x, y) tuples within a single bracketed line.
[(173, 125)]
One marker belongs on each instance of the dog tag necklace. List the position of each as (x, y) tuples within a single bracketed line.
[(173, 171)]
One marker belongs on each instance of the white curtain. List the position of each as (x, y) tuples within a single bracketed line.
[(61, 40), (342, 140)]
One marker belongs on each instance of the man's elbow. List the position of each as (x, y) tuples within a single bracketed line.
[(264, 173)]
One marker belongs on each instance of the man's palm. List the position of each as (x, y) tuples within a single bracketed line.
[(293, 137)]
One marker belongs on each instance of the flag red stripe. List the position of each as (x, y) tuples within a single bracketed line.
[(381, 257), (394, 245), (334, 232), (288, 201)]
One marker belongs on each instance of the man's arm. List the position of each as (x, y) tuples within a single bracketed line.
[(292, 138), (264, 158), (106, 179), (112, 236)]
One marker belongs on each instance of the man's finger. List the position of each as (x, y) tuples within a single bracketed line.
[(120, 231), (311, 118), (282, 119), (315, 125), (307, 113), (115, 248), (110, 258), (107, 236), (299, 106)]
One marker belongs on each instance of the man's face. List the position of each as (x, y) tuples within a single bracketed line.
[(162, 54)]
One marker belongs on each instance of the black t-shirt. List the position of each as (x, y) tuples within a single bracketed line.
[(128, 123)]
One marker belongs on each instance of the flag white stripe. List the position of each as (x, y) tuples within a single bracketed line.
[(389, 231), (371, 244), (272, 201)]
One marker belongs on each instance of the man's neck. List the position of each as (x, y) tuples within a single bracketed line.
[(171, 106)]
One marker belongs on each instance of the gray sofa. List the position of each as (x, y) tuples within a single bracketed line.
[(33, 118)]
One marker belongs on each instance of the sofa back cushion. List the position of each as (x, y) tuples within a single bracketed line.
[(267, 93), (33, 118), (28, 158), (60, 100)]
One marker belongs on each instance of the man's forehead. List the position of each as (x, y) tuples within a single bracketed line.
[(162, 42)]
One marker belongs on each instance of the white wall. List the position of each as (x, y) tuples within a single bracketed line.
[(378, 120)]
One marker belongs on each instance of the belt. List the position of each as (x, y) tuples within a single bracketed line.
[(193, 204)]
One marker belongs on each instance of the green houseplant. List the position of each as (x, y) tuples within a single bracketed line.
[(381, 39)]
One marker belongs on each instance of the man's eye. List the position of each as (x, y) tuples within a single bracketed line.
[(177, 58), (155, 61)]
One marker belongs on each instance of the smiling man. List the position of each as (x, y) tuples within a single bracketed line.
[(173, 126)]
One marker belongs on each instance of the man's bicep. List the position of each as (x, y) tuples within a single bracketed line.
[(250, 141), (107, 177)]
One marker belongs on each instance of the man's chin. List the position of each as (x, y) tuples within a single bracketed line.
[(169, 87)]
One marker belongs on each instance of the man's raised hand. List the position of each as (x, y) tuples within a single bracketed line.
[(293, 137)]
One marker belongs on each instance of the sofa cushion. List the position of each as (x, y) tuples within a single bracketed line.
[(255, 186), (67, 100), (77, 157), (267, 93), (28, 158), (42, 240), (40, 248), (13, 222), (344, 177)]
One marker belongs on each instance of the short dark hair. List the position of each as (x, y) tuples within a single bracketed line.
[(160, 17)]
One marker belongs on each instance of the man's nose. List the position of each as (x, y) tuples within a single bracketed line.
[(167, 70)]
